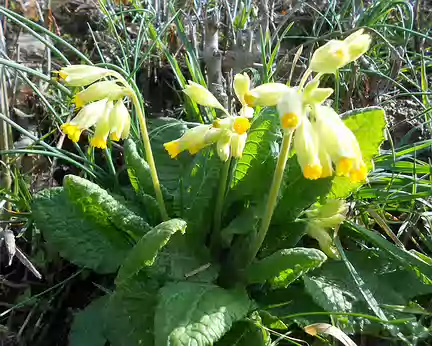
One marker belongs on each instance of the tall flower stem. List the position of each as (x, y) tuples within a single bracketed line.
[(272, 197), (149, 156), (219, 204), (147, 146)]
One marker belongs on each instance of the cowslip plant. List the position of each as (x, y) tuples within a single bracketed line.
[(226, 261)]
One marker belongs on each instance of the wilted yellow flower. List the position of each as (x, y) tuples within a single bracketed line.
[(202, 96), (336, 54), (82, 75), (98, 91), (306, 147)]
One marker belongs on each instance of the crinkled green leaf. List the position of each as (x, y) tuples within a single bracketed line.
[(82, 241), (146, 250), (197, 314), (285, 266), (195, 199), (130, 312), (368, 125), (252, 174), (97, 204), (84, 331)]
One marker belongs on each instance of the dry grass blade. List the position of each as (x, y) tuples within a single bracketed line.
[(24, 260), (328, 329)]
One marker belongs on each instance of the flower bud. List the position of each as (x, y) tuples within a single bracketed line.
[(201, 95)]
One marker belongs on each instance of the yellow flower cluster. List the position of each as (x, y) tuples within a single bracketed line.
[(323, 144), (229, 133), (101, 105)]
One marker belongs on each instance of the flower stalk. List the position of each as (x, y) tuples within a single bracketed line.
[(149, 157), (215, 239), (272, 197)]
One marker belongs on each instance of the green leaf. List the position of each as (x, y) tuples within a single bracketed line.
[(98, 205), (251, 177), (169, 170), (195, 199), (78, 239), (285, 266), (245, 223), (197, 314), (84, 331), (368, 125), (245, 333), (146, 250), (130, 312), (138, 169), (333, 287), (178, 260), (289, 301)]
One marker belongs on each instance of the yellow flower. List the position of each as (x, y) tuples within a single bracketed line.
[(336, 54), (267, 94), (233, 137), (193, 140), (106, 117), (88, 116), (102, 129), (119, 121), (330, 57), (306, 147), (340, 143), (223, 145), (241, 89), (358, 44), (98, 91), (82, 75), (290, 109), (238, 143), (202, 96)]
